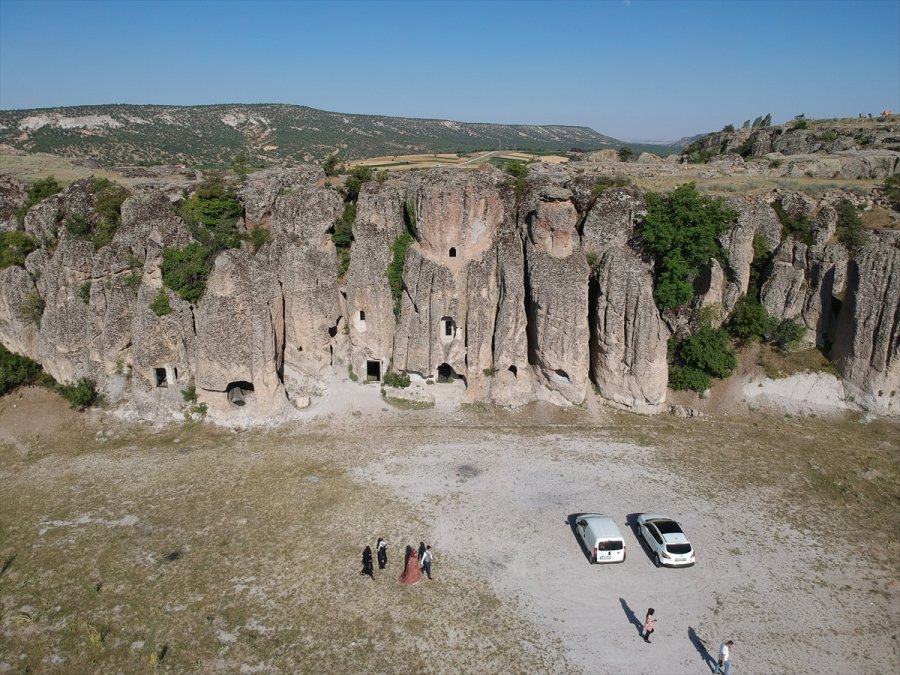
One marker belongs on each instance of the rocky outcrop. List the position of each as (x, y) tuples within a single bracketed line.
[(521, 297), (12, 197), (867, 340)]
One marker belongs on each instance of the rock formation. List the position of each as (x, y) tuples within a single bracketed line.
[(535, 291)]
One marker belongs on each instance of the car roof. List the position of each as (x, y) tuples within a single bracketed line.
[(602, 526)]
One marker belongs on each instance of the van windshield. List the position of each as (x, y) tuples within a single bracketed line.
[(610, 545)]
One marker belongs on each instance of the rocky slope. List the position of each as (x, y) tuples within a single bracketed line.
[(273, 133), (539, 295)]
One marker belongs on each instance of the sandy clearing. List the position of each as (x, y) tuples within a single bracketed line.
[(790, 604)]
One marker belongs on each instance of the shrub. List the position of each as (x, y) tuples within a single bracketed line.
[(80, 395), (33, 306), (84, 292), (745, 149), (330, 165), (38, 192), (394, 271), (850, 230), (189, 394), (78, 226), (490, 372), (681, 229), (350, 373), (683, 379), (16, 371), (626, 154), (827, 136), (133, 281), (787, 334), (212, 213), (399, 380), (799, 125), (728, 129), (798, 227), (700, 357), (359, 175), (750, 320), (602, 183), (186, 270), (258, 237), (15, 247), (592, 259), (343, 236), (160, 305), (108, 200), (519, 172), (891, 190)]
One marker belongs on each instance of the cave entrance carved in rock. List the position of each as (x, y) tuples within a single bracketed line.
[(240, 393), (373, 371)]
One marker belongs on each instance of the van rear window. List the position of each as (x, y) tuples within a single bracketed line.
[(610, 545)]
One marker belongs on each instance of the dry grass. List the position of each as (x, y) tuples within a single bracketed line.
[(880, 219), (778, 364), (194, 546), (30, 168), (740, 185)]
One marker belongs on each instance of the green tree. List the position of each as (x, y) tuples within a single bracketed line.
[(83, 394), (330, 165), (394, 271), (186, 270), (728, 128), (16, 371), (240, 164), (626, 154), (212, 213), (700, 357), (750, 320), (681, 230), (359, 175)]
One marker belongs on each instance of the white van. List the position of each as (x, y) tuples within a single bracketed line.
[(601, 537)]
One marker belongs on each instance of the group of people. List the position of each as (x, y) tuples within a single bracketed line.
[(722, 664), (415, 563)]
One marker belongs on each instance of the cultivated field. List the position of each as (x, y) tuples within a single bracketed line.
[(196, 549)]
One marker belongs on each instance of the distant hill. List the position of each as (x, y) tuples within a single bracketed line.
[(270, 133)]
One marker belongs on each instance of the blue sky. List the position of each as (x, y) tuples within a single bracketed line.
[(633, 70)]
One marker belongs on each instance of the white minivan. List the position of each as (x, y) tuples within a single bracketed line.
[(601, 538)]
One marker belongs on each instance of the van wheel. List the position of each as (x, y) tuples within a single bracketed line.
[(656, 560)]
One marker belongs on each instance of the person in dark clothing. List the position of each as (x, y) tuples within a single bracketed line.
[(367, 562), (421, 551), (381, 551)]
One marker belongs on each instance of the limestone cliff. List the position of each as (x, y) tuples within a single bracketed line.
[(536, 293)]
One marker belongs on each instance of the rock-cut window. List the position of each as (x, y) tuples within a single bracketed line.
[(362, 315), (452, 252)]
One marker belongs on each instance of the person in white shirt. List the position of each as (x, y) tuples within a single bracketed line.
[(426, 561), (724, 658)]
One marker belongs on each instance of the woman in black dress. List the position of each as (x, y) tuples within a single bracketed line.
[(367, 562)]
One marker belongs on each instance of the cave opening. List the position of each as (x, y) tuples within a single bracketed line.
[(239, 393)]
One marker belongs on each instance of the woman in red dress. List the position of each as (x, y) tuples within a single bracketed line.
[(411, 573)]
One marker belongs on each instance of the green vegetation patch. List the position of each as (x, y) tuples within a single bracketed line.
[(394, 272), (83, 394), (186, 270), (798, 227), (212, 213), (18, 371), (681, 230), (343, 236), (700, 357), (160, 305), (15, 247), (38, 192), (850, 231)]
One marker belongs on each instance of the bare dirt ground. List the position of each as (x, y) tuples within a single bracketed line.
[(126, 548)]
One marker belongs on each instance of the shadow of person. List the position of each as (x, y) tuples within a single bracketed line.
[(631, 617), (700, 646)]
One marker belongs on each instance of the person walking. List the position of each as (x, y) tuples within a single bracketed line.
[(724, 658), (649, 624), (411, 573), (381, 550), (367, 562), (426, 562), (421, 551)]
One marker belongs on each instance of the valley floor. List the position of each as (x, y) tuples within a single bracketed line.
[(189, 548)]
